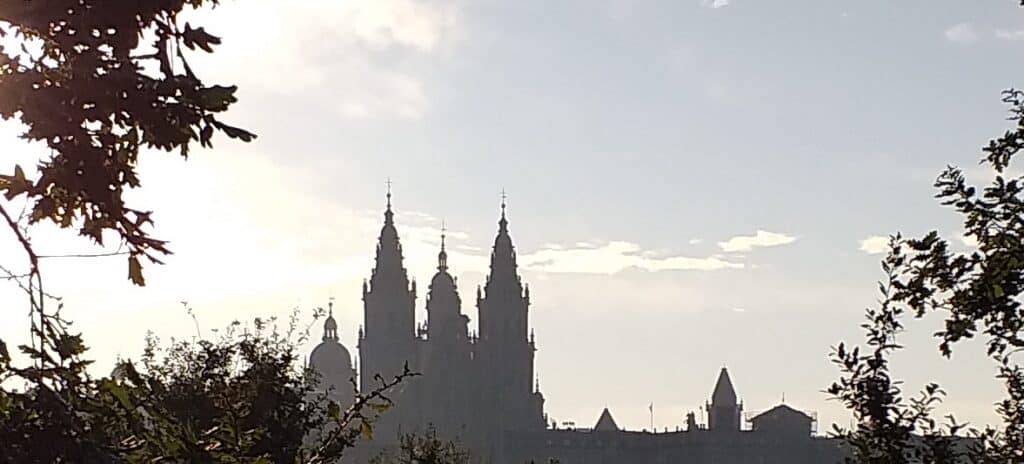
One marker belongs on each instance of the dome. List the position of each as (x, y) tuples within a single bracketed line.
[(442, 280), (330, 358)]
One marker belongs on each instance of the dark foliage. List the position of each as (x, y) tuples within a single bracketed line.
[(96, 83), (425, 448), (242, 398), (978, 293)]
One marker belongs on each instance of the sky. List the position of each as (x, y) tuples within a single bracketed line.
[(691, 184)]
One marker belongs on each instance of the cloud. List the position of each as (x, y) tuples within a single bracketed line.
[(1009, 35), (616, 256), (758, 240), (962, 33), (387, 23), (874, 245), (715, 3), (363, 58)]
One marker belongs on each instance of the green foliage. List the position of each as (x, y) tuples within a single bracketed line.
[(87, 85), (978, 293), (240, 398), (887, 422), (424, 448)]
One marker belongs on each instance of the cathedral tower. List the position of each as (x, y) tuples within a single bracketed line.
[(388, 342), (446, 382), (506, 349), (723, 411)]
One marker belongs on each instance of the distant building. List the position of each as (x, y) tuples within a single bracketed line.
[(333, 363), (481, 389)]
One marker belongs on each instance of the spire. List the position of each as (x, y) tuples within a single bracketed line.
[(442, 257), (724, 394), (503, 256), (503, 223), (389, 252), (330, 325), (606, 423), (388, 215)]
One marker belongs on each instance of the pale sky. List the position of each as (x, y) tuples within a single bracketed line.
[(692, 183)]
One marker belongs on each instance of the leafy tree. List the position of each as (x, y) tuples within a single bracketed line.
[(977, 293), (84, 81), (242, 397), (424, 448)]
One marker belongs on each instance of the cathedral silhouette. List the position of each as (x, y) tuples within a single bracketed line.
[(481, 390)]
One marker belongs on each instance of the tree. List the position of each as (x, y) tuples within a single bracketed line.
[(977, 293), (242, 397), (425, 448), (85, 84)]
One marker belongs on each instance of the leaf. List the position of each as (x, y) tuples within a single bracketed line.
[(199, 38), (119, 392), (333, 410), (366, 430), (15, 184), (205, 135), (218, 97), (234, 132), (135, 271)]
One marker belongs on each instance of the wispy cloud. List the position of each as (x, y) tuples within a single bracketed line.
[(963, 33), (874, 245), (368, 56), (715, 3), (759, 240), (1003, 34), (616, 256)]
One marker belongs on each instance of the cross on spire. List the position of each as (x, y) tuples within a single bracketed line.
[(504, 196), (443, 230), (442, 257)]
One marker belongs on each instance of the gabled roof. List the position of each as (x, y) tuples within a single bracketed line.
[(605, 423), (724, 394), (782, 410)]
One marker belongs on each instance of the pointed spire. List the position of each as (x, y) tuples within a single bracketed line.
[(388, 215), (724, 394), (442, 257), (503, 256), (503, 223), (606, 423), (388, 264)]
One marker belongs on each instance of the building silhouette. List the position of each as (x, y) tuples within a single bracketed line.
[(481, 389)]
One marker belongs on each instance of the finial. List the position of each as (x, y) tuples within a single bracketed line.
[(504, 196), (330, 307), (388, 183), (442, 257)]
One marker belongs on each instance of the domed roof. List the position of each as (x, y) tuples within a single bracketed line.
[(330, 357), (442, 280)]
